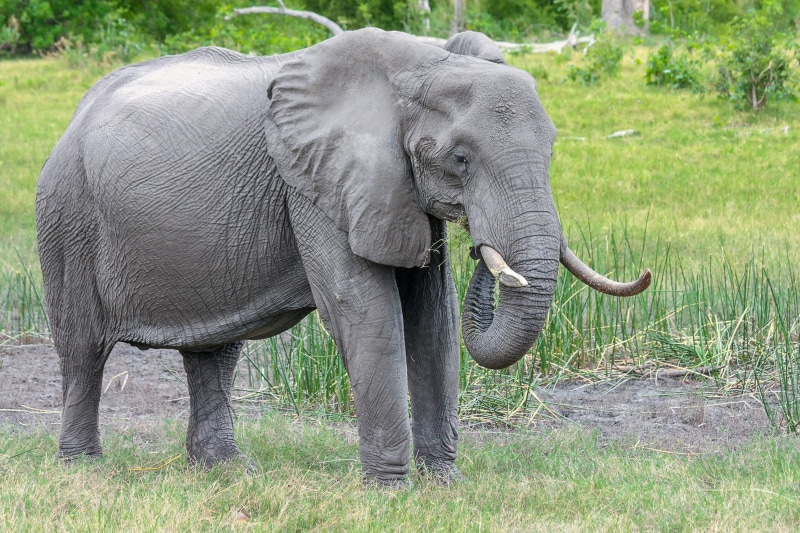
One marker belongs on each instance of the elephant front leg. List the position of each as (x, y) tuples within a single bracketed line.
[(360, 306), (430, 316), (209, 439)]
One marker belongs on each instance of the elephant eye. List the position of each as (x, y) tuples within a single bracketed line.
[(461, 159)]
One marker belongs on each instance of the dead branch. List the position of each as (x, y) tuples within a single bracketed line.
[(572, 41), (334, 28), (669, 373)]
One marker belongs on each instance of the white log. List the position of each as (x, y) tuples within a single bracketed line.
[(334, 28), (537, 48)]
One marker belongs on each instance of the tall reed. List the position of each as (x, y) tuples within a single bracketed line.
[(736, 318)]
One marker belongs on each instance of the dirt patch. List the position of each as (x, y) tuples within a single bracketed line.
[(666, 414), (143, 388)]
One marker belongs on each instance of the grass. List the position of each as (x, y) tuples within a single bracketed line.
[(308, 479)]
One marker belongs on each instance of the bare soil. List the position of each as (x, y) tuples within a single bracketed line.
[(144, 388)]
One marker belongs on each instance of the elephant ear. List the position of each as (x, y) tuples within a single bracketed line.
[(475, 44), (334, 131)]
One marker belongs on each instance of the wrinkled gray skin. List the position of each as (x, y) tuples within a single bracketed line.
[(199, 200)]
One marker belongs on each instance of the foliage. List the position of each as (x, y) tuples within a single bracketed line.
[(41, 23), (686, 17), (517, 19), (260, 34), (665, 69), (28, 26), (680, 18), (580, 12), (9, 35), (603, 57), (353, 14), (758, 63)]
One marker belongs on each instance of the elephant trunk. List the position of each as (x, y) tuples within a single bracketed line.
[(499, 338)]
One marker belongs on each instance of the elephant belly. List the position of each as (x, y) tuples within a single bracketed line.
[(213, 265), (210, 313)]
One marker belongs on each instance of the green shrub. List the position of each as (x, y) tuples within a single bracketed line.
[(42, 23), (580, 12), (758, 63), (603, 57), (260, 34), (9, 35), (665, 69), (680, 18)]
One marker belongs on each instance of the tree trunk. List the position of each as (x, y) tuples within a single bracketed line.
[(619, 15), (425, 7), (458, 11)]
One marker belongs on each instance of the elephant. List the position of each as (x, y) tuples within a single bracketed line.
[(200, 200)]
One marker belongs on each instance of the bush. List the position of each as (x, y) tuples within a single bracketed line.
[(9, 35), (684, 17), (759, 62), (260, 34), (42, 23), (603, 57), (664, 69)]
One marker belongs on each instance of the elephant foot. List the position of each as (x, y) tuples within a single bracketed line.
[(70, 450), (392, 483), (441, 472), (69, 458), (207, 456), (237, 461)]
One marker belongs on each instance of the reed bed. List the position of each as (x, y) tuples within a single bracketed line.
[(736, 324)]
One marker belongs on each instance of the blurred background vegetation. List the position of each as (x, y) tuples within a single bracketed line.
[(128, 26)]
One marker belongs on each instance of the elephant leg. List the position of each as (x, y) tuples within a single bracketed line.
[(209, 438), (360, 306), (430, 319), (77, 326), (82, 373)]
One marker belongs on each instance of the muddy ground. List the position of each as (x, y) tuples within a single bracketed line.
[(143, 388)]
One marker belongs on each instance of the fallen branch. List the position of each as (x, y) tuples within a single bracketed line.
[(571, 41), (334, 28), (671, 373)]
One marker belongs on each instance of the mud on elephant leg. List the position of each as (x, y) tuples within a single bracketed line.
[(209, 439), (430, 320)]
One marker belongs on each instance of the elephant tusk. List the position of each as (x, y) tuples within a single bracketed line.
[(598, 281), (499, 268)]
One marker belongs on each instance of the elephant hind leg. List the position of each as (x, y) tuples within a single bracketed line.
[(82, 373), (209, 439), (66, 225)]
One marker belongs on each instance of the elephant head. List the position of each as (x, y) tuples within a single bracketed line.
[(386, 135), (475, 44)]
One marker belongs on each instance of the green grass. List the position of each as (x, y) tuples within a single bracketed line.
[(709, 180), (308, 479), (37, 99)]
